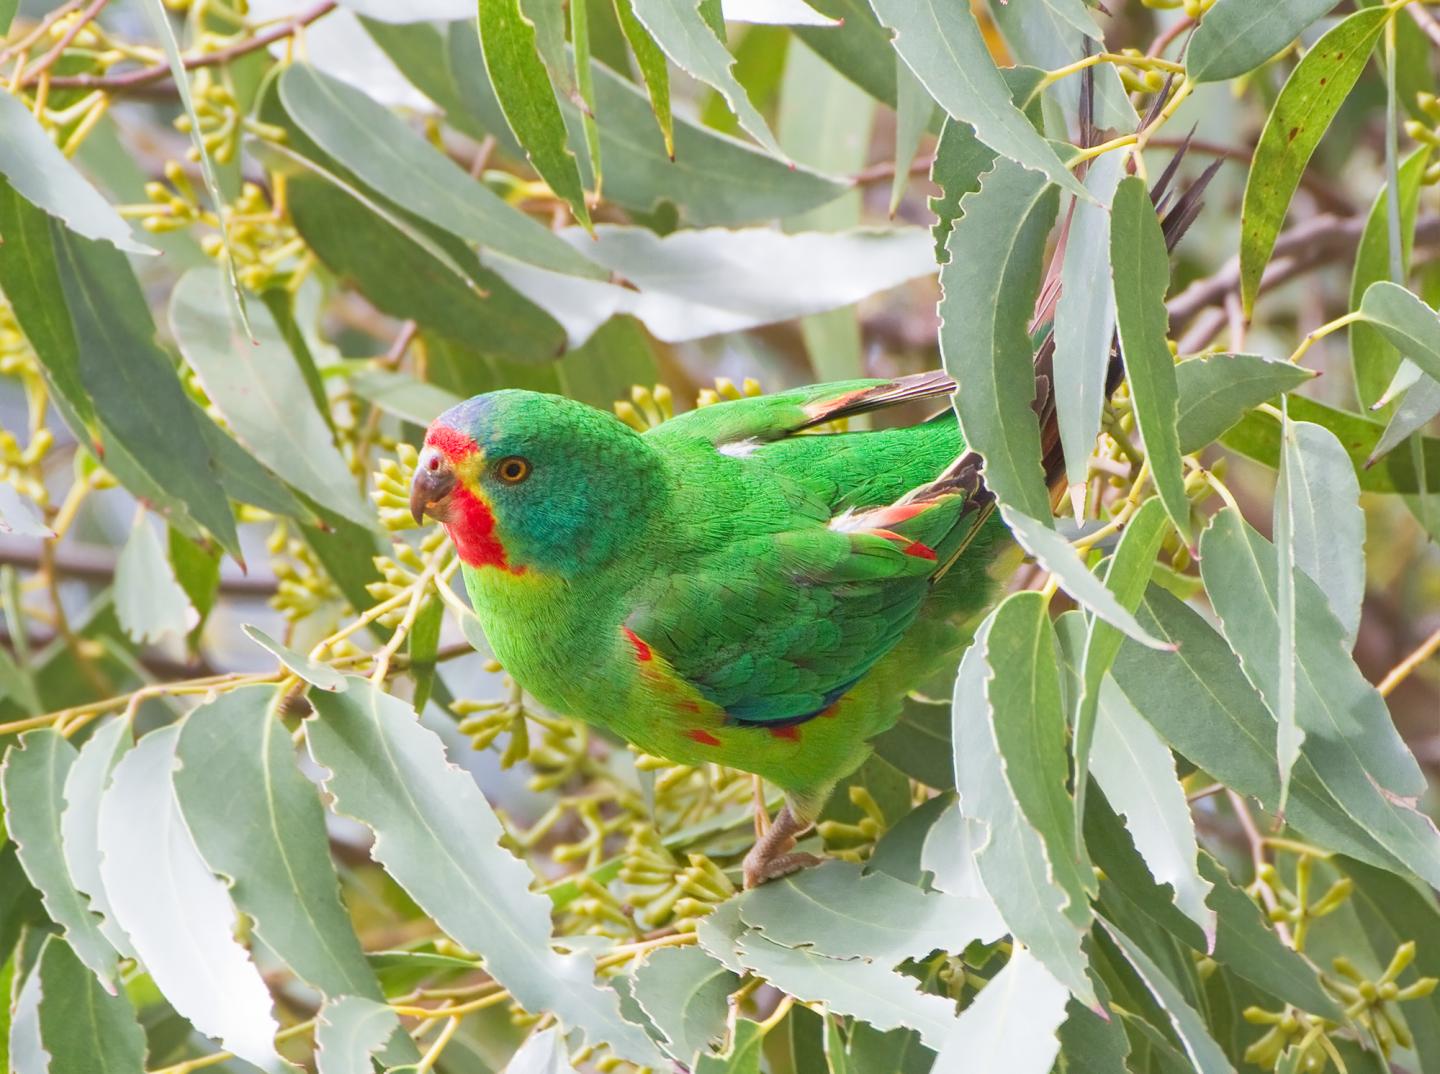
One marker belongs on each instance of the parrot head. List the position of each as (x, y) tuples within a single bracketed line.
[(525, 481)]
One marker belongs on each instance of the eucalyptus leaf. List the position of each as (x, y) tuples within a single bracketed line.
[(1236, 36), (683, 991), (326, 678), (1327, 524), (84, 1027), (79, 823), (654, 69), (1217, 390), (349, 1031), (148, 599), (1011, 1024)]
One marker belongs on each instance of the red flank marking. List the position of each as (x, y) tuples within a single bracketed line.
[(452, 442), (831, 712), (791, 733), (924, 551), (642, 651), (705, 738), (688, 706)]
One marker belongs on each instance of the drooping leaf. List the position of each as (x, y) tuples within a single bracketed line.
[(857, 987), (542, 1053), (321, 675), (423, 647), (1199, 1046), (1134, 768), (32, 780), (1141, 268), (1011, 1024), (1085, 320), (835, 911), (961, 161), (1302, 113), (741, 1055), (18, 516), (1236, 36), (84, 1027), (1374, 359), (176, 912), (402, 395), (1288, 735), (990, 282), (382, 150), (1406, 322), (682, 33), (683, 991), (523, 88), (1217, 390), (685, 285), (80, 837), (1327, 525), (913, 112), (1042, 901), (258, 821), (437, 836), (349, 1031), (942, 44), (919, 743), (857, 46), (1059, 557), (148, 600), (653, 69), (41, 174), (1126, 580)]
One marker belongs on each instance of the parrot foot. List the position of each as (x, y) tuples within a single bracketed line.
[(774, 854)]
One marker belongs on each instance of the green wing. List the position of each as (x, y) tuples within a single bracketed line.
[(818, 561)]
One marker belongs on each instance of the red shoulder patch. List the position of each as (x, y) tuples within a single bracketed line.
[(790, 733), (705, 738), (643, 652)]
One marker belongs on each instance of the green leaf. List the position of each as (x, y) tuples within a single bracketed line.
[(1408, 324), (1302, 113), (401, 394), (321, 675), (943, 46), (741, 1057), (27, 1054), (713, 180), (1327, 524), (436, 835), (1373, 359), (1011, 1024), (1039, 892), (260, 389), (177, 914), (1126, 580), (834, 910), (160, 23), (523, 88), (585, 86), (349, 1031), (423, 646), (18, 516), (1085, 320), (405, 278), (680, 30), (84, 1027), (258, 821), (79, 833), (148, 600), (387, 155), (900, 850), (1288, 736), (961, 160), (858, 46), (41, 174), (653, 69), (919, 743), (99, 351), (1204, 707), (1199, 1046), (1058, 556), (1217, 390), (1348, 731), (542, 1053), (990, 282), (1135, 770), (683, 991), (32, 780), (1236, 36), (856, 987), (1141, 266), (914, 111)]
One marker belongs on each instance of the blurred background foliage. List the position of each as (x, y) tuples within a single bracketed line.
[(232, 301)]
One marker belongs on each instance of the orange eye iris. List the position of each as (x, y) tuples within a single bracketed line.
[(513, 470)]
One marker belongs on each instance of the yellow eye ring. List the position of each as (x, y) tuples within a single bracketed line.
[(512, 470)]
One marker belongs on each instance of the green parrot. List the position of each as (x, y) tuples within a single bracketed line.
[(720, 588)]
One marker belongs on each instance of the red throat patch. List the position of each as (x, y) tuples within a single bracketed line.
[(472, 529)]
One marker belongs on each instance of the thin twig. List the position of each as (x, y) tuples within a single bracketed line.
[(146, 75), (1401, 671), (1426, 22), (45, 62)]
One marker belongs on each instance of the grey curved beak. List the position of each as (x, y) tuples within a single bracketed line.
[(431, 486)]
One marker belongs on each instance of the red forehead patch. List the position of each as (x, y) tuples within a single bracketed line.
[(454, 444)]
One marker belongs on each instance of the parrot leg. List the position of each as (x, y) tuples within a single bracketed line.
[(762, 815), (774, 855)]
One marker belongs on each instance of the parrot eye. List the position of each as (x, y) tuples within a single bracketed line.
[(512, 470)]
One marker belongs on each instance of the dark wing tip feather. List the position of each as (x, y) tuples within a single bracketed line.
[(893, 392)]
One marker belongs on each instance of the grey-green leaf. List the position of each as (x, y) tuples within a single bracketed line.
[(436, 834), (1236, 36), (1302, 113), (382, 150), (349, 1031), (149, 602), (33, 165), (1217, 390), (260, 389), (1327, 524), (82, 1026), (941, 43), (1011, 1024), (258, 821), (32, 780), (88, 778), (1141, 267), (683, 991), (177, 914), (990, 282), (321, 675)]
